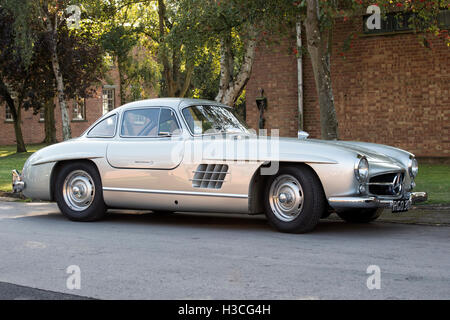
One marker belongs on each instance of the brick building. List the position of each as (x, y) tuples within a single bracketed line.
[(83, 112), (389, 89)]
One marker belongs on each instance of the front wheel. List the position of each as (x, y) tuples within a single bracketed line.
[(294, 200), (360, 216), (78, 192)]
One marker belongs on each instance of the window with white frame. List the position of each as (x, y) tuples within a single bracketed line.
[(8, 114), (108, 99), (78, 109)]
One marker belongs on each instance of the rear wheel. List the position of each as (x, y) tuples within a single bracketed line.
[(294, 200), (360, 216), (78, 192)]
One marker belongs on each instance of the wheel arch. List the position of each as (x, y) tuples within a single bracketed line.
[(258, 183), (59, 165)]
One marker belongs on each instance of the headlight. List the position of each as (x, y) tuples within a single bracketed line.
[(362, 170), (413, 167)]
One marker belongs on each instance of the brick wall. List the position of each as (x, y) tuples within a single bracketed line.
[(33, 129), (388, 89)]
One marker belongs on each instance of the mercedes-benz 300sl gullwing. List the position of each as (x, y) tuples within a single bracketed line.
[(196, 155)]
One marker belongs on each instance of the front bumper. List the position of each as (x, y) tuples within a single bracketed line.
[(374, 202), (17, 183)]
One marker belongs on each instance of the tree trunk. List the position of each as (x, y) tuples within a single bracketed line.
[(52, 29), (20, 143), (183, 88), (175, 85), (319, 48), (12, 100), (231, 86), (17, 118), (226, 66), (168, 89), (121, 82), (49, 123)]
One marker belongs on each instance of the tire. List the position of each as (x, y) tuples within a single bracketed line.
[(360, 216), (284, 210), (78, 192)]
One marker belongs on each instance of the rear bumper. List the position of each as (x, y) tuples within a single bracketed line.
[(373, 202), (17, 183)]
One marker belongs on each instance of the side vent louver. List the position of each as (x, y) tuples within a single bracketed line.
[(210, 176)]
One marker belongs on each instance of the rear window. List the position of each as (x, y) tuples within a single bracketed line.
[(105, 128)]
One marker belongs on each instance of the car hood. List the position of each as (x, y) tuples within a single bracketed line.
[(360, 148), (310, 150)]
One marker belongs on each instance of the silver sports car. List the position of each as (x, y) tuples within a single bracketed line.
[(197, 155)]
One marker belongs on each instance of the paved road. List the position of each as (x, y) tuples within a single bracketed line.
[(200, 256)]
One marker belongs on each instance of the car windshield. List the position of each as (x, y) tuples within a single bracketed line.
[(213, 119)]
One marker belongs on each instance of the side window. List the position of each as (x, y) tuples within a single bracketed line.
[(140, 123), (105, 128), (168, 124)]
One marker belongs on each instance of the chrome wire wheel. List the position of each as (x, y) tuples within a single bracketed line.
[(78, 190), (286, 197)]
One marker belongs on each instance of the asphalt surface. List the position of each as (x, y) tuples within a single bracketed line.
[(141, 255)]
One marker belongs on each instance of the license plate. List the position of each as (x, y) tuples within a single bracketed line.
[(401, 205)]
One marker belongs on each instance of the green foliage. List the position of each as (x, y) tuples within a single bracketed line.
[(119, 41), (123, 36), (205, 82), (81, 59), (79, 55), (24, 34), (143, 74), (204, 27)]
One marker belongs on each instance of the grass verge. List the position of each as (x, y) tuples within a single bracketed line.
[(10, 160)]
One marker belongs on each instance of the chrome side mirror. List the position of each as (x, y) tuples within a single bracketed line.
[(302, 135)]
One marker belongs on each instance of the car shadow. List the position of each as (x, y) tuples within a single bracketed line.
[(223, 221), (192, 220)]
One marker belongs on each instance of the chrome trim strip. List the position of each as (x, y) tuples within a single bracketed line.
[(353, 202), (380, 184), (208, 180), (211, 172), (373, 202), (183, 193), (37, 163)]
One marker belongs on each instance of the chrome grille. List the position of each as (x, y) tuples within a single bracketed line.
[(209, 176), (389, 184)]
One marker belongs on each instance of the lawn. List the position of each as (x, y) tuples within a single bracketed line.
[(432, 178), (10, 160)]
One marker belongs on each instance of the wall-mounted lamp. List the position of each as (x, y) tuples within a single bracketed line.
[(261, 103)]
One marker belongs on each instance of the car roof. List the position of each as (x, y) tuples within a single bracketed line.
[(176, 103)]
